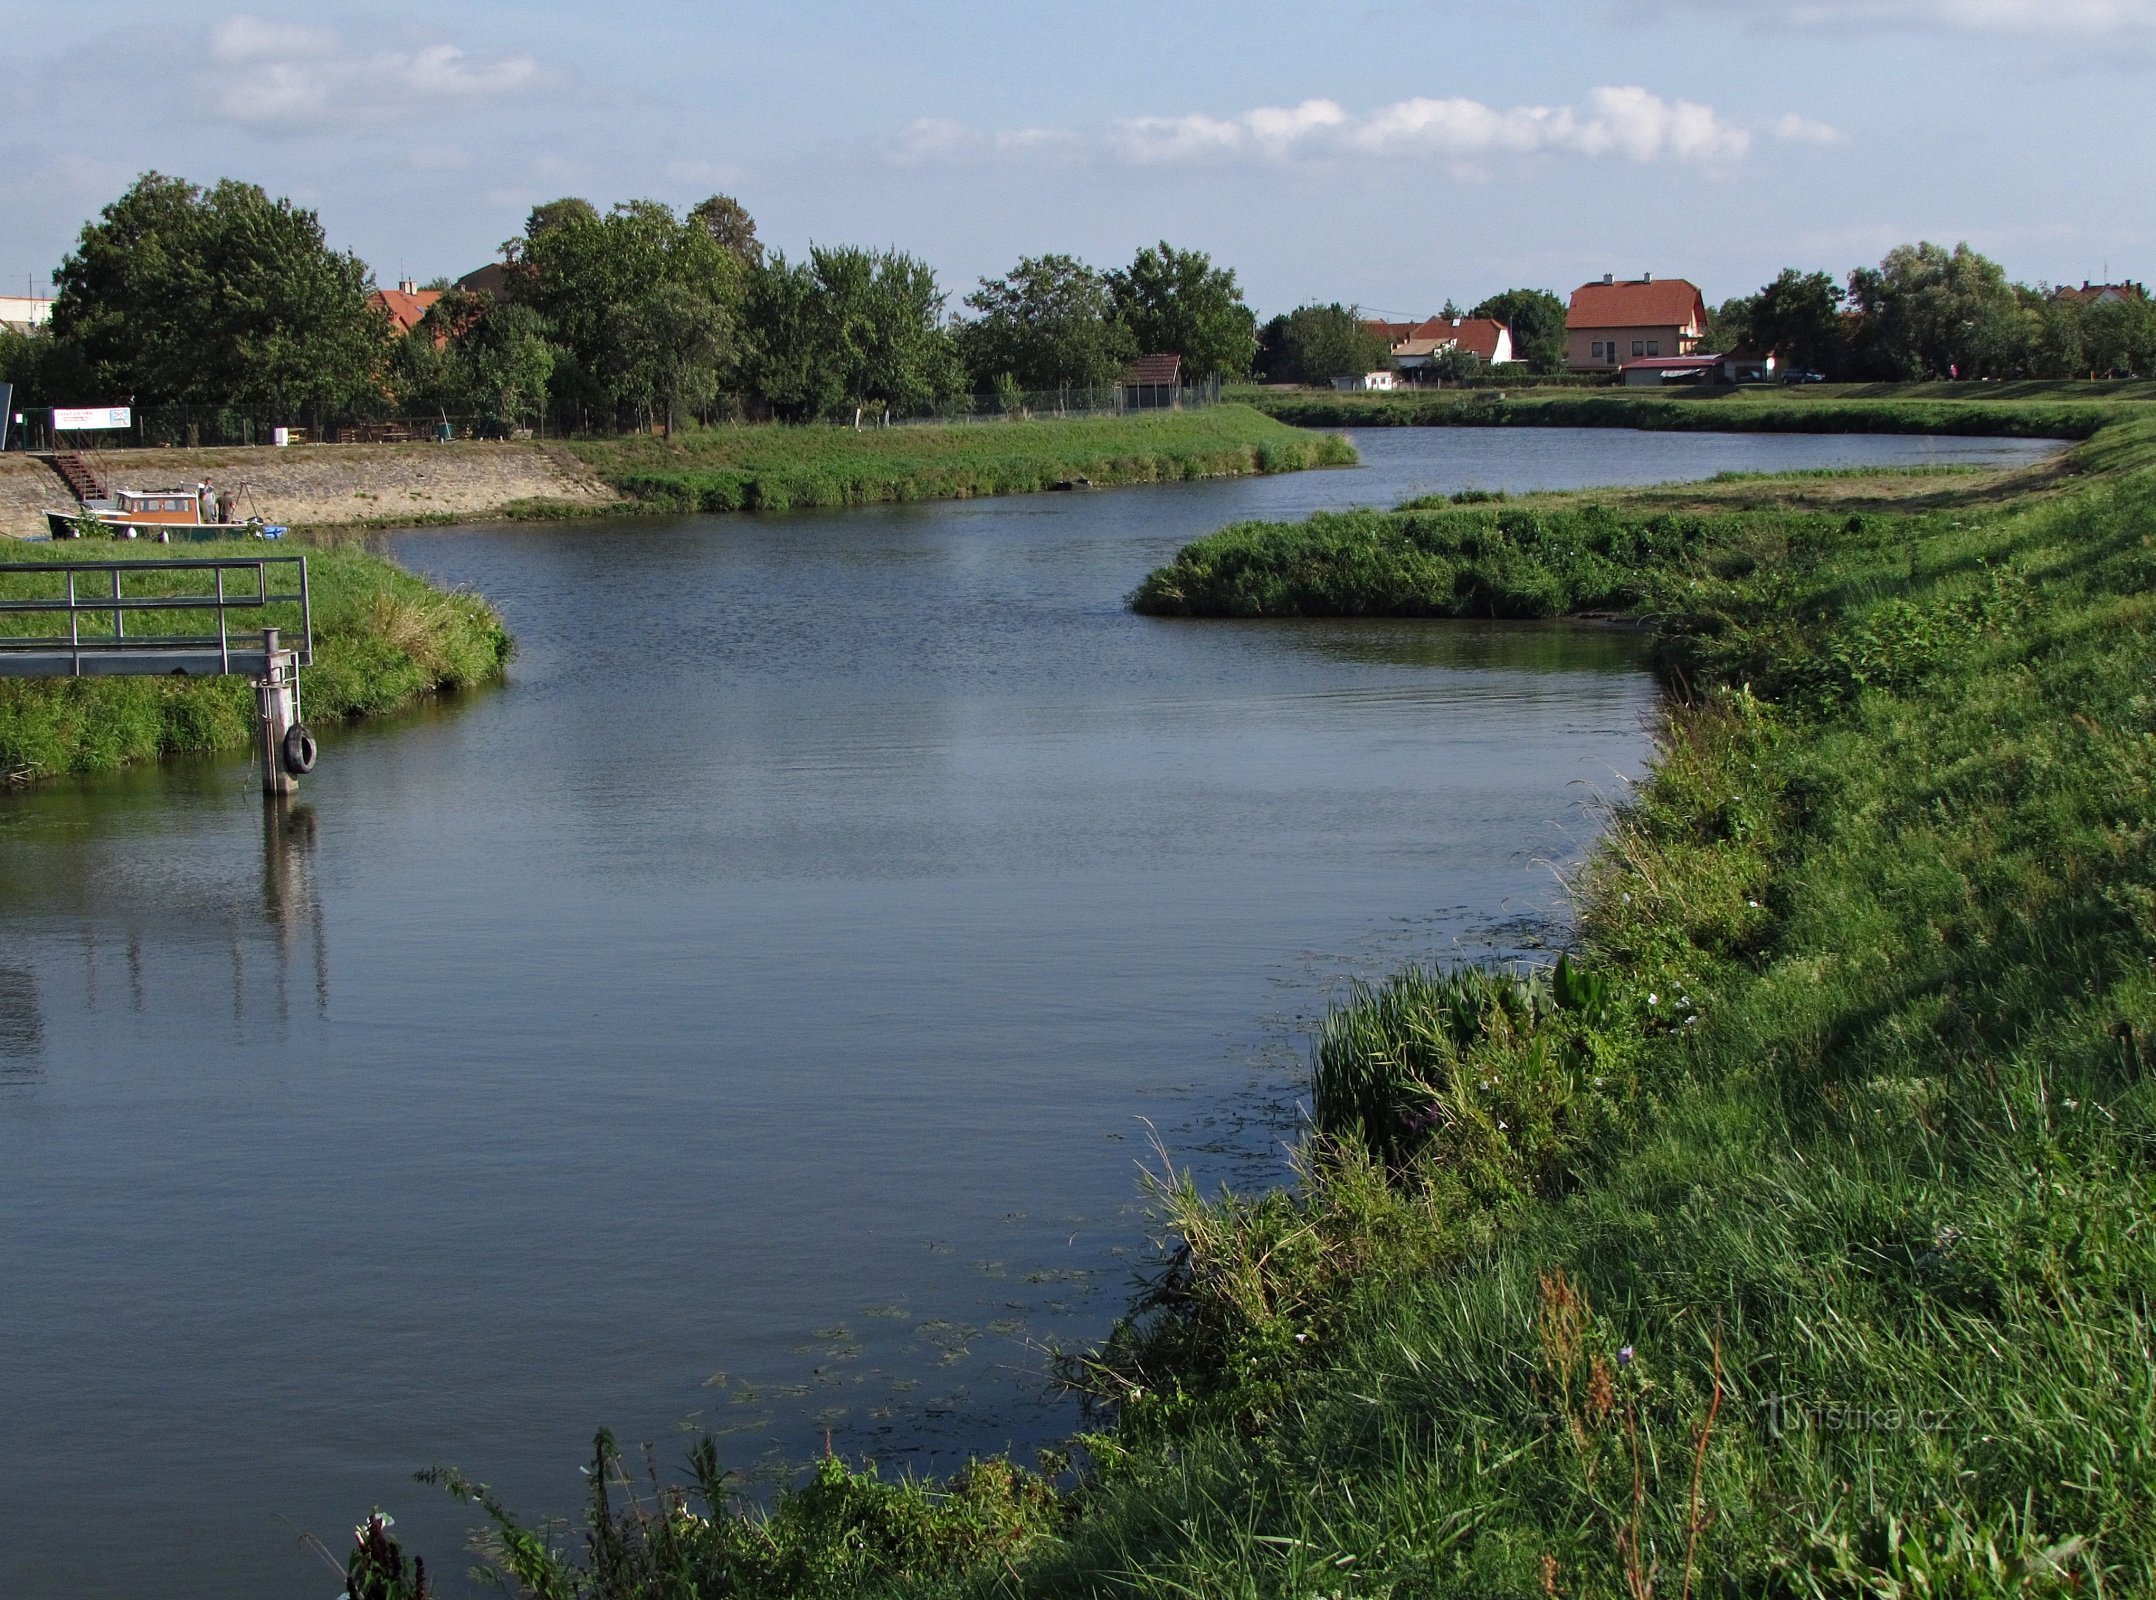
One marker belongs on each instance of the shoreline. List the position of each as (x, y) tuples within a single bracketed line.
[(763, 467), (1552, 1286)]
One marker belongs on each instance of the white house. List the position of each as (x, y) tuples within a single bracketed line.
[(1359, 382), (22, 312)]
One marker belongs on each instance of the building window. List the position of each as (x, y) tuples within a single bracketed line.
[(1639, 347), (1654, 347), (1596, 350)]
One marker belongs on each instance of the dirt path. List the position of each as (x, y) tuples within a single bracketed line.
[(325, 484)]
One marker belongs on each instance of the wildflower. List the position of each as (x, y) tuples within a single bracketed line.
[(1628, 897), (1624, 1356), (1651, 999)]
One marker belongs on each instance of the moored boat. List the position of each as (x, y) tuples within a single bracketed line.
[(160, 514)]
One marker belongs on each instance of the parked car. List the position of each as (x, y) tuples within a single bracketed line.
[(1803, 375)]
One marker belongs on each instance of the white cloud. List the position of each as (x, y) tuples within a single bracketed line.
[(272, 73), (2050, 18), (1629, 123), (1791, 128)]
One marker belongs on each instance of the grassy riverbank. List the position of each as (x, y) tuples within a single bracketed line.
[(1790, 1239), (2029, 411), (772, 468), (383, 639)]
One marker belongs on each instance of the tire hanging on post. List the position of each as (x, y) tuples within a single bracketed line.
[(298, 750)]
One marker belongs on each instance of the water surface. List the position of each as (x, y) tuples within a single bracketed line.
[(750, 1016)]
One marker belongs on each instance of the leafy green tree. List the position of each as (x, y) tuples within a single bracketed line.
[(2118, 336), (728, 221), (850, 329), (594, 280), (548, 215), (1537, 320), (1729, 325), (669, 348), (1315, 344), (1928, 312), (218, 296), (1051, 323), (1176, 302), (1799, 314)]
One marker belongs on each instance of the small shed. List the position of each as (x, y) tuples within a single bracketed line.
[(1748, 365), (1363, 382), (1153, 383)]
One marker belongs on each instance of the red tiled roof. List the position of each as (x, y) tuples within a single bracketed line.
[(2090, 293), (1639, 303), (1156, 370), (406, 309), (1476, 335)]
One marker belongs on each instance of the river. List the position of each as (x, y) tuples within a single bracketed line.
[(754, 1015)]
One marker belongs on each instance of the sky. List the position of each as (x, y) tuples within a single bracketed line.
[(1390, 154)]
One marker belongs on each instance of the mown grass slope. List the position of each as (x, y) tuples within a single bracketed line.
[(775, 468), (383, 639)]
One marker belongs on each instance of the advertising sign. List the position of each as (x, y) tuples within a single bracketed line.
[(94, 419)]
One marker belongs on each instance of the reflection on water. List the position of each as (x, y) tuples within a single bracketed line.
[(121, 900), (22, 1034)]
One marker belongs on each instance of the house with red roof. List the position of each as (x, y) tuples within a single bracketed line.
[(1618, 321), (406, 306), (1415, 346)]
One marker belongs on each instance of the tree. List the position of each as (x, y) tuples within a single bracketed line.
[(729, 223), (1537, 320), (548, 215), (593, 279), (1927, 312), (2118, 336), (670, 345), (850, 329), (1799, 314), (1176, 302), (1051, 323), (1729, 325), (1319, 343), (217, 296)]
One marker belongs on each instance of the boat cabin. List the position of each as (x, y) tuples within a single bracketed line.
[(158, 505)]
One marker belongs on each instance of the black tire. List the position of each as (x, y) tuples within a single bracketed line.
[(298, 751)]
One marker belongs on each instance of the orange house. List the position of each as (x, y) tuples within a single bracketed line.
[(1613, 322)]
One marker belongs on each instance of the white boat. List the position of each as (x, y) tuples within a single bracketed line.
[(160, 514)]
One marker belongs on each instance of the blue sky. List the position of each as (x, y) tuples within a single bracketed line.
[(1390, 154)]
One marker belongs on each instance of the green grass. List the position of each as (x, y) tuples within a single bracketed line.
[(1792, 1238), (2038, 411), (383, 639), (779, 468)]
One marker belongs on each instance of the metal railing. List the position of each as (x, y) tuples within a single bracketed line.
[(234, 585)]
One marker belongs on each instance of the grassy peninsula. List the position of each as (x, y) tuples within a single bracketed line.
[(2033, 409), (774, 468), (383, 639), (1790, 1238)]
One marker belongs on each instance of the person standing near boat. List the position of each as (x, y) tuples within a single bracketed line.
[(207, 500)]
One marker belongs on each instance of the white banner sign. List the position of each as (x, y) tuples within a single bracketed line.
[(96, 419)]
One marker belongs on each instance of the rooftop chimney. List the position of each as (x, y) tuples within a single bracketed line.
[(1646, 277), (1609, 277), (407, 286)]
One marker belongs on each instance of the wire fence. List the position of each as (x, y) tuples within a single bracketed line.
[(220, 427)]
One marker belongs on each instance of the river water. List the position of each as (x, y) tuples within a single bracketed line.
[(753, 1016)]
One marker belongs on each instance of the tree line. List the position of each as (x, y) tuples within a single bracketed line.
[(1927, 312), (223, 296)]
